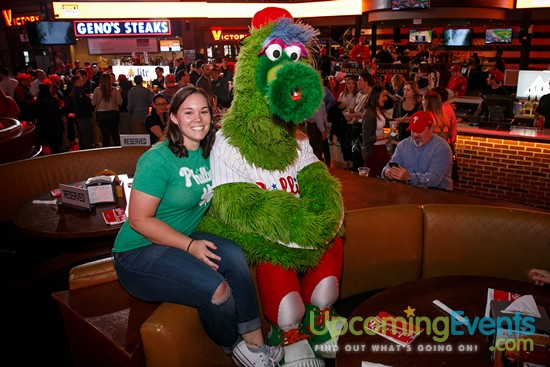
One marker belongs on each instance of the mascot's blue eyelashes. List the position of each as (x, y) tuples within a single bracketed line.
[(275, 47)]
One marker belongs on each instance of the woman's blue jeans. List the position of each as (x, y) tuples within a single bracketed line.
[(158, 273)]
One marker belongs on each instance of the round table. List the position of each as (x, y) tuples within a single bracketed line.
[(56, 221), (460, 293)]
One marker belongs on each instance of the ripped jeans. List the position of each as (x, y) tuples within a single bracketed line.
[(157, 273)]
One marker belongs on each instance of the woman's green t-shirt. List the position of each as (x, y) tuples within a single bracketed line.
[(184, 186)]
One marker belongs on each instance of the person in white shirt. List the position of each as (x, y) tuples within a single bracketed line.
[(7, 83), (39, 75)]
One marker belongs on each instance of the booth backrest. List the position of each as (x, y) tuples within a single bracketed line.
[(483, 240), (377, 242), (25, 179)]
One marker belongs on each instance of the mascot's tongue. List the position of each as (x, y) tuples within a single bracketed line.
[(296, 95)]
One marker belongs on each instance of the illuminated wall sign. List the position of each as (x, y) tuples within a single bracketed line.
[(12, 21), (199, 9), (224, 36), (120, 28), (526, 4)]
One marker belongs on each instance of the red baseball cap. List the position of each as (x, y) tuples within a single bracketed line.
[(22, 76), (455, 68), (170, 80), (420, 121)]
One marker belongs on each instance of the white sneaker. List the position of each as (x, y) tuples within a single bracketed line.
[(243, 357)]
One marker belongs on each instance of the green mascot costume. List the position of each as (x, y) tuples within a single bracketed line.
[(273, 196)]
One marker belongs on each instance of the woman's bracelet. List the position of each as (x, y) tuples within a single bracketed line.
[(189, 246)]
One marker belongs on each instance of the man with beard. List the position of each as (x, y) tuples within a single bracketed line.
[(423, 153)]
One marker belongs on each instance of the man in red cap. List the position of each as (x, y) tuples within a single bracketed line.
[(422, 158), (495, 79), (24, 98), (360, 52), (384, 56), (458, 82)]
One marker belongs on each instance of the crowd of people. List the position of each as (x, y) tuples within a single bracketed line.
[(84, 107), (365, 104)]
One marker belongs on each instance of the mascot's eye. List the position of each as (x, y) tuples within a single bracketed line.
[(293, 52), (274, 52)]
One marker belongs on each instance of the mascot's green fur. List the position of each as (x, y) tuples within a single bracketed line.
[(273, 93)]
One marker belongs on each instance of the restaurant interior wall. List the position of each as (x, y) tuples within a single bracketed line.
[(539, 51), (502, 169)]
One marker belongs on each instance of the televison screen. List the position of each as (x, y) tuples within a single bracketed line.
[(498, 35), (457, 37), (170, 45), (51, 33), (409, 4), (533, 83), (420, 36)]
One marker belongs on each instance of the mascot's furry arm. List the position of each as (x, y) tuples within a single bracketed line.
[(273, 92), (260, 220)]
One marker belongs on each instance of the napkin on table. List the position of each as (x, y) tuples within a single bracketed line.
[(371, 364), (45, 202), (525, 305)]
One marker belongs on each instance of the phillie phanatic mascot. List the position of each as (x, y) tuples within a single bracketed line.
[(273, 196)]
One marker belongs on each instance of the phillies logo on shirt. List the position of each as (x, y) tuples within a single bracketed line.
[(288, 184)]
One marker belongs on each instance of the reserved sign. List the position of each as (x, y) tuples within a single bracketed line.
[(74, 197), (128, 140)]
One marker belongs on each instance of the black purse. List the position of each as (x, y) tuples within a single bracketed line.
[(356, 144)]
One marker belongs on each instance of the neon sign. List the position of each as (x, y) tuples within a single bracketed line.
[(219, 35), (18, 21), (122, 28)]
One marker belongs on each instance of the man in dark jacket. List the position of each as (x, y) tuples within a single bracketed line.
[(82, 107), (24, 98)]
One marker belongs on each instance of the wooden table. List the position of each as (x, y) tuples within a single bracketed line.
[(367, 192), (464, 293), (55, 221)]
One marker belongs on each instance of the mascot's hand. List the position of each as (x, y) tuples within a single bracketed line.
[(321, 198)]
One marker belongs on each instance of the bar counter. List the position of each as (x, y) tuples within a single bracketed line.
[(505, 165), (520, 133)]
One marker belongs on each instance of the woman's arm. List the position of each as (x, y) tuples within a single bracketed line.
[(141, 218), (369, 130), (118, 97), (157, 131), (96, 96)]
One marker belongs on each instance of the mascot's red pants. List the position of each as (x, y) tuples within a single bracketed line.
[(283, 293)]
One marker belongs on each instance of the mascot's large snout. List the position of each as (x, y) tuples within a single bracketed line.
[(294, 91)]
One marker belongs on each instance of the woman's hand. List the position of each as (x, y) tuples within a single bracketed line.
[(539, 277), (201, 250)]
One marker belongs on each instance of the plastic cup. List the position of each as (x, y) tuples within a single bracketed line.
[(393, 126), (363, 171), (423, 180)]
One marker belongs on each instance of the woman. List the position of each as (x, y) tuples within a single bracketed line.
[(397, 83), (160, 257), (374, 149), (346, 99), (48, 119), (155, 122), (106, 100), (8, 107), (432, 103), (403, 110)]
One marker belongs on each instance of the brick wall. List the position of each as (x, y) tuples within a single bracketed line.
[(508, 170)]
